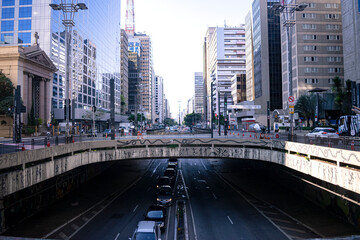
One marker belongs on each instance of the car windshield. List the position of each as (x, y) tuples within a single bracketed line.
[(315, 130), (144, 236), (165, 192), (169, 173), (155, 214), (164, 181), (329, 130)]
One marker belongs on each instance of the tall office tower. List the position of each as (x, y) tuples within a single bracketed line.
[(93, 46), (225, 57), (190, 107), (134, 79), (317, 48), (238, 88), (350, 10), (266, 49), (199, 93), (124, 72), (130, 18), (206, 74), (250, 87), (158, 100)]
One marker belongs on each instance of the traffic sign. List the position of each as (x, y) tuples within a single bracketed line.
[(291, 109), (291, 99)]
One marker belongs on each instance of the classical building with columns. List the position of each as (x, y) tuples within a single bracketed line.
[(33, 70)]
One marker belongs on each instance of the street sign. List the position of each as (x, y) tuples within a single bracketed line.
[(291, 99), (291, 109), (352, 132)]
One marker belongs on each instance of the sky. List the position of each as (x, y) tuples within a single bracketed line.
[(177, 29)]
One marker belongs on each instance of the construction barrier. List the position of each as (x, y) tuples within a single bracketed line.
[(352, 145)]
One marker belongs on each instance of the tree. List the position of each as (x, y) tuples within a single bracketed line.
[(170, 122), (192, 119), (131, 118), (123, 103), (7, 94), (342, 96), (305, 106)]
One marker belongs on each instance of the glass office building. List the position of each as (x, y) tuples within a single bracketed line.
[(95, 49)]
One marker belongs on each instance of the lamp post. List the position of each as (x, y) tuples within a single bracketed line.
[(68, 8), (288, 14), (213, 78)]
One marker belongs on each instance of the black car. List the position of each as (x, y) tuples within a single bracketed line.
[(172, 165), (164, 196), (163, 181), (173, 160), (158, 214), (171, 173)]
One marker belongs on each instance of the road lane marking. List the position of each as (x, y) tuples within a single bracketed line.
[(191, 211), (148, 189), (203, 165), (199, 172), (293, 229), (230, 220), (135, 208), (214, 196), (74, 226), (117, 236), (195, 164), (155, 170)]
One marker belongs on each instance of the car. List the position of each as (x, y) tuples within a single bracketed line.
[(91, 133), (156, 213), (172, 165), (171, 173), (106, 132), (163, 181), (323, 132), (173, 160), (164, 196), (147, 230)]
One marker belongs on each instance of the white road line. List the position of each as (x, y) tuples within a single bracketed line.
[(135, 208), (167, 225), (117, 236), (293, 229), (203, 165), (191, 211), (195, 164), (230, 220), (199, 172), (214, 196), (155, 170), (148, 189)]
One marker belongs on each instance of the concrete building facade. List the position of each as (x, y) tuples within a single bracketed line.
[(199, 105), (158, 103), (250, 87), (317, 54), (124, 72)]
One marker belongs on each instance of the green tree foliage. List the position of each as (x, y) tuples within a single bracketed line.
[(192, 119), (140, 117), (32, 121), (7, 95), (342, 95), (170, 122), (305, 106)]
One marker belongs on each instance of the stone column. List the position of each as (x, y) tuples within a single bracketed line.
[(42, 101), (47, 100)]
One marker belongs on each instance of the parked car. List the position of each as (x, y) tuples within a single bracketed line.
[(107, 132), (323, 132), (164, 196), (147, 230), (156, 213), (91, 133)]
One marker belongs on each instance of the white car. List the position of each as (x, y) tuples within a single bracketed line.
[(323, 132), (147, 230)]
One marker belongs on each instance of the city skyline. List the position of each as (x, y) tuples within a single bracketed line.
[(166, 30)]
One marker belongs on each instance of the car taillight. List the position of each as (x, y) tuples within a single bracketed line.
[(337, 133), (324, 133)]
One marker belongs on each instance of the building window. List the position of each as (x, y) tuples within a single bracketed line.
[(7, 26), (309, 15), (311, 5), (309, 48), (334, 59), (24, 12), (311, 59), (333, 48), (24, 25), (25, 2), (334, 70), (7, 38), (311, 70), (312, 80), (24, 37), (332, 26), (331, 5), (309, 26), (7, 13), (309, 37), (332, 16), (8, 3), (55, 91), (333, 37)]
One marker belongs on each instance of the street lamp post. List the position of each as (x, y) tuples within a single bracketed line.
[(68, 8), (288, 13)]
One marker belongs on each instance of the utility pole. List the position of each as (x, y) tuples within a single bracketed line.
[(268, 116), (179, 112), (225, 115), (212, 111), (112, 108), (219, 114)]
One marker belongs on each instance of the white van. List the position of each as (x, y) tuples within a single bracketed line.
[(147, 230)]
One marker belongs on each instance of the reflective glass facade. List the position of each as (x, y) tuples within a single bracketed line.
[(95, 48)]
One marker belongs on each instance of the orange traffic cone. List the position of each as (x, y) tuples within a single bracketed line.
[(48, 143)]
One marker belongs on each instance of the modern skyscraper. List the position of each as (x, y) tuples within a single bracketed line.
[(135, 79), (265, 82), (350, 10), (94, 49), (250, 87), (124, 56), (225, 56), (238, 88), (317, 48), (199, 93), (158, 100)]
